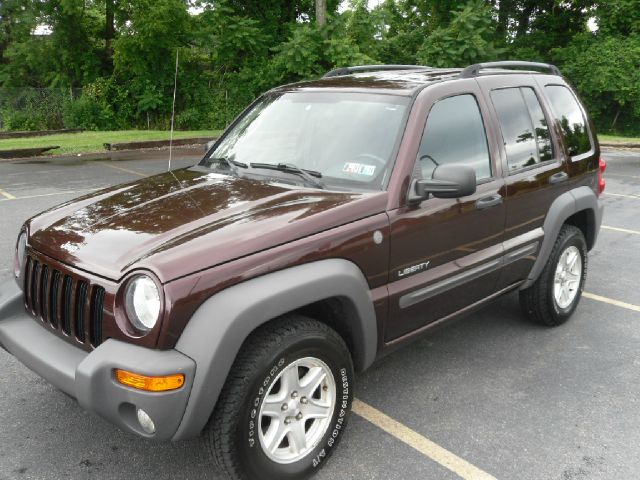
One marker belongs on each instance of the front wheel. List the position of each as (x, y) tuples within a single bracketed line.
[(285, 404), (552, 299)]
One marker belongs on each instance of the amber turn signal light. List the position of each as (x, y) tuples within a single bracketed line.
[(150, 384)]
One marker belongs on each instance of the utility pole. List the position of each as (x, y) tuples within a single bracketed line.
[(321, 12)]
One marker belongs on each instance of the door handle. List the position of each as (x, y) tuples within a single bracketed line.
[(558, 178), (488, 202)]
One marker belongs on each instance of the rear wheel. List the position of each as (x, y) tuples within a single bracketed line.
[(553, 298), (285, 403)]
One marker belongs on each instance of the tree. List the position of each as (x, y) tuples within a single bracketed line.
[(120, 52), (321, 12), (467, 39), (605, 70), (16, 21), (276, 16), (619, 17), (146, 48)]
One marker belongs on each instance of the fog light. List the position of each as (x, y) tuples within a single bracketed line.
[(145, 422)]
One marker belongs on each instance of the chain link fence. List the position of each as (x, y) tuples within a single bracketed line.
[(34, 108), (53, 109)]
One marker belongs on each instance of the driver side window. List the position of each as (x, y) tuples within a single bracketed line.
[(455, 133)]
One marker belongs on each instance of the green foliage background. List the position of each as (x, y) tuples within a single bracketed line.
[(109, 64)]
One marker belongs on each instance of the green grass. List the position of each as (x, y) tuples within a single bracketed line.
[(618, 139), (90, 142)]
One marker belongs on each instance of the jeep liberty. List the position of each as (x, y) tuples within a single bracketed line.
[(334, 221)]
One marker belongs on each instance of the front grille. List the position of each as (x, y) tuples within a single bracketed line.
[(70, 305)]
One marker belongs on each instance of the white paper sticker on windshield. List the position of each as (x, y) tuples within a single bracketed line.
[(359, 169)]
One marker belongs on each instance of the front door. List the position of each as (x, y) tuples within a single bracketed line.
[(446, 253)]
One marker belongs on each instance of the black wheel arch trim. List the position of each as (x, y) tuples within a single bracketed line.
[(215, 333), (564, 207)]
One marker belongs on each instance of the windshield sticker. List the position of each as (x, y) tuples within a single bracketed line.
[(359, 169)]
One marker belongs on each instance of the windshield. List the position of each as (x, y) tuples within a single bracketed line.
[(347, 138)]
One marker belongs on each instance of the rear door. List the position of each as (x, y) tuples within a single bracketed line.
[(445, 253), (534, 165), (577, 137)]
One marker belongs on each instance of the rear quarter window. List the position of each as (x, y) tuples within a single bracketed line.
[(571, 119)]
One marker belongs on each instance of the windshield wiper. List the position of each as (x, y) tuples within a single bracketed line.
[(232, 164), (311, 176)]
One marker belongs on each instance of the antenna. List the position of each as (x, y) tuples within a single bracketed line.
[(173, 110)]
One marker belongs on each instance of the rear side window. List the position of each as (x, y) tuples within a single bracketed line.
[(455, 134), (572, 121), (540, 124), (525, 130)]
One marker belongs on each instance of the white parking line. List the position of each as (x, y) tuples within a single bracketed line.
[(621, 175), (63, 192), (611, 301), (624, 195), (423, 445), (132, 172), (617, 229), (7, 195)]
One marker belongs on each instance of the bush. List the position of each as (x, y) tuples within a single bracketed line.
[(87, 113), (19, 120), (192, 119), (32, 108)]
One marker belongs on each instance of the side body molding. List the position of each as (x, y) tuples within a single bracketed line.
[(563, 207), (216, 331)]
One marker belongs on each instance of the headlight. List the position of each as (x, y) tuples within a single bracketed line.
[(21, 252), (142, 302)]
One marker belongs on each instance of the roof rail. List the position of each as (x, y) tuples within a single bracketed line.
[(474, 70), (370, 68)]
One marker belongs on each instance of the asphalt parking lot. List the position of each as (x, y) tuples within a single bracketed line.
[(489, 397)]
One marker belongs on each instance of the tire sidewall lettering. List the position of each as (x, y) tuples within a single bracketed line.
[(255, 404), (340, 417)]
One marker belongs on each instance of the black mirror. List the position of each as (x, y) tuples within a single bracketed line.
[(448, 181)]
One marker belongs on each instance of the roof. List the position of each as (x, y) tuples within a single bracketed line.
[(397, 82), (408, 79)]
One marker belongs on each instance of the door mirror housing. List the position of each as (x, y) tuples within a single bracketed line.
[(447, 181)]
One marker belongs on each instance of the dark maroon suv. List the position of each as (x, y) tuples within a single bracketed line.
[(333, 222)]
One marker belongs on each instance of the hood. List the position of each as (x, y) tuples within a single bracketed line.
[(180, 222)]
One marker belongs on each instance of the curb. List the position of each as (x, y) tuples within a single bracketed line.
[(102, 154), (25, 152), (619, 145), (177, 142), (38, 133)]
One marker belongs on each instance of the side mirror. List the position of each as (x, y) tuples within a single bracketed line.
[(448, 181)]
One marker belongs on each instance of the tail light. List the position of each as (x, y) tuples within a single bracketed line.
[(602, 166)]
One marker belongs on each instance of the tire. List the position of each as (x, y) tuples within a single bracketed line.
[(261, 381), (543, 302)]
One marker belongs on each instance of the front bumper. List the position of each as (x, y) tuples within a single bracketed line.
[(88, 376)]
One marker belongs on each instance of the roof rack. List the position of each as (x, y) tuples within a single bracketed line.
[(474, 70), (370, 68)]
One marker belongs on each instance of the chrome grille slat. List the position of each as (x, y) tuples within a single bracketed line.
[(65, 302)]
